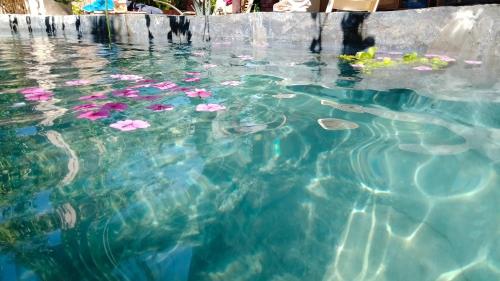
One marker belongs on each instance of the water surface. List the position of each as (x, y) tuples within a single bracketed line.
[(400, 183)]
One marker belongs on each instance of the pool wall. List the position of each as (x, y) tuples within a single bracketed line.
[(471, 31)]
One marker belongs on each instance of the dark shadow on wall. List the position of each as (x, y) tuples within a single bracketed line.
[(99, 30), (206, 29), (148, 24), (179, 30), (78, 24), (353, 41), (13, 24), (315, 46), (50, 26)]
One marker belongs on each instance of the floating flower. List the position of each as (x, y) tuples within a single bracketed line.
[(36, 94), (32, 91), (114, 106), (245, 57), (149, 97), (84, 106), (447, 59), (180, 89), (40, 96), (231, 83), (145, 81), (198, 93), (96, 96), (130, 125), (209, 65), (423, 68), (165, 85), (93, 115), (192, 79), (441, 57), (357, 65), (127, 77), (126, 93), (193, 73), (77, 82), (210, 107), (161, 107), (473, 62)]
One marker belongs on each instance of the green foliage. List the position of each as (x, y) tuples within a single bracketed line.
[(367, 60), (410, 57)]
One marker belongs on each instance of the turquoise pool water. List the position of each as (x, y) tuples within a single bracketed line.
[(398, 182)]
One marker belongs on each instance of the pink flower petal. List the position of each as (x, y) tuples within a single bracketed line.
[(146, 81), (423, 68), (165, 85), (127, 93), (129, 125), (355, 65), (147, 98), (161, 107), (37, 95), (441, 57), (209, 65), (192, 79), (114, 106), (193, 73), (198, 93), (32, 91), (210, 107), (473, 62), (93, 115)]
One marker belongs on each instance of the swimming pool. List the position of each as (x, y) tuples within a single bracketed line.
[(227, 162)]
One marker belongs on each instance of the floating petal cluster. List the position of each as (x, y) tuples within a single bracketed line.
[(130, 125), (161, 107), (36, 94), (126, 93), (367, 61), (210, 107), (192, 79), (167, 85), (198, 93)]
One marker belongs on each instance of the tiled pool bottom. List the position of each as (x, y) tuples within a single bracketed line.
[(238, 180)]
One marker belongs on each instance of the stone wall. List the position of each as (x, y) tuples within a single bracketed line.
[(472, 31)]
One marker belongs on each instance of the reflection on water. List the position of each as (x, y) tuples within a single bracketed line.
[(299, 178)]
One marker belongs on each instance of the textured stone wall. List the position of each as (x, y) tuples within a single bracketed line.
[(472, 31)]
